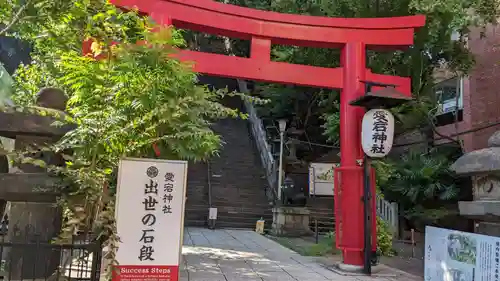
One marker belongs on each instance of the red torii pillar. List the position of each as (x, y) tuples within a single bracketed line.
[(353, 35)]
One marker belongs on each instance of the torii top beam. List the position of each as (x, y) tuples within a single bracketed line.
[(264, 28)]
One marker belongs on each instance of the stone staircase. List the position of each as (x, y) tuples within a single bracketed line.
[(322, 214), (234, 182), (197, 204), (238, 181)]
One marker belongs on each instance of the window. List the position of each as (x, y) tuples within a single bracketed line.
[(449, 94)]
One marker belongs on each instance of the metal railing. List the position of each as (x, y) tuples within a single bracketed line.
[(28, 256), (266, 156), (385, 210)]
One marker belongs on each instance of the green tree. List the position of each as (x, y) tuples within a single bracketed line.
[(433, 46), (135, 96), (409, 180), (421, 183)]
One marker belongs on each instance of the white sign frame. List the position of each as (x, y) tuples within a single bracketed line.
[(127, 180), (325, 186), (321, 187)]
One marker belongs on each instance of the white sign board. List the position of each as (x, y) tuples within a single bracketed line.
[(460, 256), (377, 132), (212, 213), (149, 217), (321, 178)]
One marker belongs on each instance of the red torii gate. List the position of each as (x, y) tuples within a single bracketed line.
[(262, 28)]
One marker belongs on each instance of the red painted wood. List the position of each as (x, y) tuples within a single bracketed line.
[(361, 23), (353, 61), (403, 84), (243, 23), (276, 72), (260, 49), (156, 150), (259, 68), (273, 72)]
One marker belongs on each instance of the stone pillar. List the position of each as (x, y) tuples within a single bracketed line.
[(32, 222), (483, 166), (291, 221)]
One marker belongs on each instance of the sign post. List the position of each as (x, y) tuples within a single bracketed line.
[(150, 219), (377, 134)]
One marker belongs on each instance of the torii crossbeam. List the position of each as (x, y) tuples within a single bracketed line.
[(353, 35)]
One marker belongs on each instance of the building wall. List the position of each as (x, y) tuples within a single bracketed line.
[(481, 93)]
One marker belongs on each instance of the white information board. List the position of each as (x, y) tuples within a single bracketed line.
[(150, 212), (321, 178), (460, 256)]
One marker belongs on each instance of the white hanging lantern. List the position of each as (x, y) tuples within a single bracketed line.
[(377, 132)]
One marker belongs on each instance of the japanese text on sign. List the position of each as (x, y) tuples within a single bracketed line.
[(149, 218), (380, 123), (497, 257), (168, 188), (377, 132), (457, 255)]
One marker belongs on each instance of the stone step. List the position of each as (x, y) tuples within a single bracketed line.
[(237, 186), (238, 200), (243, 191), (242, 221), (243, 211), (196, 215), (242, 225), (256, 204), (195, 223)]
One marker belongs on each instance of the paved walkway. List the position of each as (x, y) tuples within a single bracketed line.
[(242, 255)]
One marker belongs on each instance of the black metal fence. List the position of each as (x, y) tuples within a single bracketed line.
[(28, 254)]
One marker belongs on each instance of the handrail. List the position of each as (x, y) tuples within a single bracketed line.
[(385, 210), (259, 135)]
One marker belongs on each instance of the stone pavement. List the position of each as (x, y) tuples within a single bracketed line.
[(243, 255)]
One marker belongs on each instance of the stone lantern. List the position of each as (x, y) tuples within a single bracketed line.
[(483, 166)]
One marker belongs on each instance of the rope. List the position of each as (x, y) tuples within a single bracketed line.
[(409, 143)]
